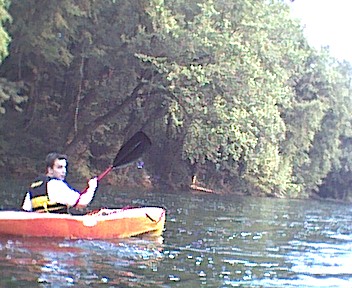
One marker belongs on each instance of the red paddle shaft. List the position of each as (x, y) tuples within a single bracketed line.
[(101, 176), (106, 172), (129, 152)]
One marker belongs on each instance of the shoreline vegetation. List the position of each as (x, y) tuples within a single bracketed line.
[(232, 96)]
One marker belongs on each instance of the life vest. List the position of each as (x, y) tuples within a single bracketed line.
[(40, 199)]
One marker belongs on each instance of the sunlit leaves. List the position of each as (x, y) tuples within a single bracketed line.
[(4, 36), (10, 92), (234, 77)]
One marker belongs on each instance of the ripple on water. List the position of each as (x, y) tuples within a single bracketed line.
[(209, 242)]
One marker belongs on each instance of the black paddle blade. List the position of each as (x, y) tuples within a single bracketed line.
[(132, 150)]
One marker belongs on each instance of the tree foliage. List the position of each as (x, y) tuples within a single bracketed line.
[(9, 92), (4, 36), (230, 91)]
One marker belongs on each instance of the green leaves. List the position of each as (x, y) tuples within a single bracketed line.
[(240, 96), (4, 36), (229, 87), (10, 92)]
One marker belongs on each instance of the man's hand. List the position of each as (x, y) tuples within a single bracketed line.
[(93, 184), (86, 197)]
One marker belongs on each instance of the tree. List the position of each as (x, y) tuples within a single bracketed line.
[(227, 83), (10, 93), (4, 36), (229, 91)]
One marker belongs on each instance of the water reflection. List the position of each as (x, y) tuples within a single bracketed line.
[(63, 263)]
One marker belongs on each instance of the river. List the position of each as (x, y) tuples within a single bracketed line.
[(209, 241)]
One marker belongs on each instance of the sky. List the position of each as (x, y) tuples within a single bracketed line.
[(327, 23)]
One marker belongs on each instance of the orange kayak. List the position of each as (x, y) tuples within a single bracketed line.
[(103, 224)]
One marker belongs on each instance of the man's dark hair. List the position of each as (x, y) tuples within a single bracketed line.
[(51, 157)]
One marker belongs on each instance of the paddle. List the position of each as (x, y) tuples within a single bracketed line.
[(128, 153)]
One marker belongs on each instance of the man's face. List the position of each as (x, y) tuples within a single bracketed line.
[(59, 169)]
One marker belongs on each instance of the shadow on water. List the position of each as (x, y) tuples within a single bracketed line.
[(209, 241)]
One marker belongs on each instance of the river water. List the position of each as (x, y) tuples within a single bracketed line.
[(209, 241)]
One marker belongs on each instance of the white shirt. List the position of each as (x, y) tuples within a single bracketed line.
[(59, 192)]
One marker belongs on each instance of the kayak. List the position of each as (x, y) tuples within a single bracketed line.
[(102, 224)]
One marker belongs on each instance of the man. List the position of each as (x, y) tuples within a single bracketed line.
[(51, 192)]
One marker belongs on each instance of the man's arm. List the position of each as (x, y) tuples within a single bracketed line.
[(60, 192), (85, 198)]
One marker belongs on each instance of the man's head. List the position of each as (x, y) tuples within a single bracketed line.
[(56, 165)]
